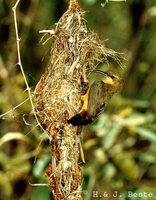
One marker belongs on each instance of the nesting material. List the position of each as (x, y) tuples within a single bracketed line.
[(75, 53)]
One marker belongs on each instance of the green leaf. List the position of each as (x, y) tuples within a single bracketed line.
[(110, 138), (135, 119), (127, 165), (147, 157), (151, 136), (40, 166), (13, 136)]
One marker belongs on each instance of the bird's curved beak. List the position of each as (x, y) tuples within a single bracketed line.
[(100, 72)]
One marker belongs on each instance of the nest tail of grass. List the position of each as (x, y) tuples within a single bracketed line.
[(75, 53)]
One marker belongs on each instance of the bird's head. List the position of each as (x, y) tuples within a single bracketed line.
[(111, 78)]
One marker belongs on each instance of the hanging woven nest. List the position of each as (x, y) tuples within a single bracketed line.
[(75, 53)]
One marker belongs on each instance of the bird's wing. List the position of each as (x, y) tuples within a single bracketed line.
[(97, 99)]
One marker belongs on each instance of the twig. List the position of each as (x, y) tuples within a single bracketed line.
[(20, 63), (107, 1), (52, 32), (14, 108), (39, 184)]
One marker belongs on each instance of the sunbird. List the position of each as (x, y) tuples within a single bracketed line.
[(97, 97)]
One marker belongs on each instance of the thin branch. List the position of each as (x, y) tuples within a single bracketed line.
[(39, 184), (20, 63), (52, 32), (9, 111)]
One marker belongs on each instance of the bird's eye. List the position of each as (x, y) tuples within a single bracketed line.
[(112, 76)]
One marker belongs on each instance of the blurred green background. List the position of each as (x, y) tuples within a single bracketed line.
[(120, 147)]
